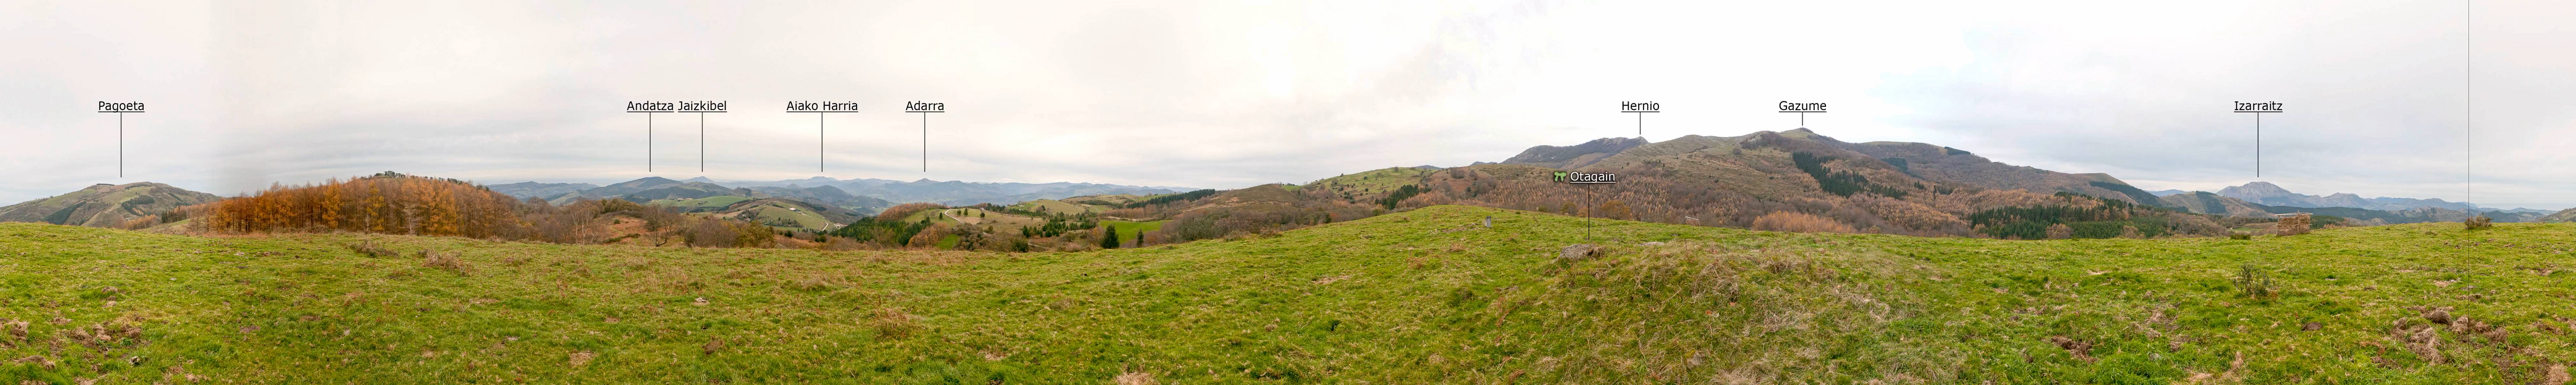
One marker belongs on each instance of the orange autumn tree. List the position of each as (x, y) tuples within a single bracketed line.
[(382, 203)]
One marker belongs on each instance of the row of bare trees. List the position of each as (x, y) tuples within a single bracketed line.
[(412, 205), (392, 204)]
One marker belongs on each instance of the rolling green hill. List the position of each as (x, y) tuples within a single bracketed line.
[(1106, 200), (105, 205), (2559, 217), (787, 213), (1421, 296), (784, 216), (700, 204), (1374, 181), (1056, 206)]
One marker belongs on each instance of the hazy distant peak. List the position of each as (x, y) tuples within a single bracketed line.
[(649, 180), (2255, 191), (2271, 194), (538, 190)]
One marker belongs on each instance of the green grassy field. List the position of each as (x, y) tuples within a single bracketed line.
[(713, 202), (1128, 231), (1056, 206), (934, 215), (1421, 296), (999, 221)]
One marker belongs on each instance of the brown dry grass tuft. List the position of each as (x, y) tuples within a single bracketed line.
[(817, 282), (893, 323), (47, 363), (1135, 378), (17, 331), (369, 248), (139, 223), (580, 359), (2424, 342), (444, 260), (841, 244), (1330, 280), (2440, 315), (1791, 221), (2080, 348)]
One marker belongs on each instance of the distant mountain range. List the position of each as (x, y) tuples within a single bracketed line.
[(535, 190), (2270, 194), (111, 205), (2568, 215), (958, 193), (952, 193), (862, 195), (2267, 198)]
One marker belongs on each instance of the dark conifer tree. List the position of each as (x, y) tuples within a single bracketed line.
[(1109, 238)]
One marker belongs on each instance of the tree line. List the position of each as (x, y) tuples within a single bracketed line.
[(393, 203)]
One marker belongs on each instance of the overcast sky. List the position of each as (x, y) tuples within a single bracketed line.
[(1227, 94)]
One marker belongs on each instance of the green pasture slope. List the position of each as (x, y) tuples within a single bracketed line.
[(713, 202), (1414, 297), (802, 219), (1128, 231), (1056, 206)]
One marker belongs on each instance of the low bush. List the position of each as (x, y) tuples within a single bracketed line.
[(2253, 282), (369, 248)]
